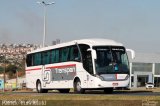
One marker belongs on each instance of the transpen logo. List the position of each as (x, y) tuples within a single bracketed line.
[(66, 70)]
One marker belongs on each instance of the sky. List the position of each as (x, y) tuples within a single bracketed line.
[(135, 23)]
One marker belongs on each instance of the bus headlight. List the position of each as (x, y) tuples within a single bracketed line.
[(100, 77), (127, 77)]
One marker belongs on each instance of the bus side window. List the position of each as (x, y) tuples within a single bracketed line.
[(71, 54), (64, 54), (57, 58), (29, 60), (46, 57), (37, 59), (88, 62), (33, 60), (87, 58), (74, 54), (53, 55)]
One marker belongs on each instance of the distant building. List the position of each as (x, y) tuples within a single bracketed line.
[(16, 52), (145, 68), (57, 41), (1, 84)]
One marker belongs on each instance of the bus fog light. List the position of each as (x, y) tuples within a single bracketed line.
[(99, 84)]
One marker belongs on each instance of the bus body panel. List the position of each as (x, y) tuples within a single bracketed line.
[(95, 82), (98, 83), (88, 81), (37, 73), (32, 75)]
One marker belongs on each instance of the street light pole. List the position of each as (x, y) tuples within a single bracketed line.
[(16, 78), (44, 24), (44, 30), (4, 73)]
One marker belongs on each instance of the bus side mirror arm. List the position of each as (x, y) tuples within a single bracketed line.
[(132, 53)]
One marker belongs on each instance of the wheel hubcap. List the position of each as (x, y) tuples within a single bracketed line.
[(78, 86), (39, 86)]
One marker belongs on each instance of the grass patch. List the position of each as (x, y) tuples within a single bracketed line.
[(59, 99), (58, 96)]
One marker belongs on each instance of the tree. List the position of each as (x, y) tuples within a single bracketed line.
[(2, 59), (1, 69), (11, 70)]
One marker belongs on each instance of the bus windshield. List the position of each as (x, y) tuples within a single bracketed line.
[(111, 60)]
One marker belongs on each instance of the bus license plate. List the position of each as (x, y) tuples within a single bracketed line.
[(115, 84)]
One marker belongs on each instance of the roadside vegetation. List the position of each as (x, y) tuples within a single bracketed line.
[(55, 96), (82, 99), (11, 67)]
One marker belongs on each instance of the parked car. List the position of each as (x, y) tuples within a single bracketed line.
[(149, 85)]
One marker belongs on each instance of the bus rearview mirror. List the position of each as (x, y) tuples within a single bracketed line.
[(94, 54), (132, 53)]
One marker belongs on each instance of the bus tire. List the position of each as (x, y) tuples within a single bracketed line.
[(39, 88), (77, 87), (108, 90), (64, 90)]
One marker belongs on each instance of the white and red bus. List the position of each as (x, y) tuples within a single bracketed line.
[(88, 64)]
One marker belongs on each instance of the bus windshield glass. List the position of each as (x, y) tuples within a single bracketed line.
[(111, 60)]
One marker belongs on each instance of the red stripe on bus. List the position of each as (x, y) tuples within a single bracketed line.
[(61, 66), (34, 69), (116, 76)]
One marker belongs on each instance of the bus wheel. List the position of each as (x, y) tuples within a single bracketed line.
[(108, 90), (77, 87), (64, 90), (39, 88)]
